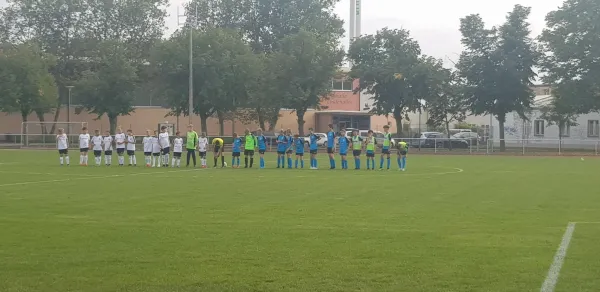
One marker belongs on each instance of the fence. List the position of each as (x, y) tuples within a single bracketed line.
[(579, 147)]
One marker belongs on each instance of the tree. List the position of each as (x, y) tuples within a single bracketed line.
[(108, 89), (390, 66), (448, 106), (265, 23), (560, 112), (306, 65), (223, 73), (497, 66), (26, 85), (72, 30), (570, 62)]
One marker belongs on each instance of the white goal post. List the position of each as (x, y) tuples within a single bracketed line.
[(43, 134)]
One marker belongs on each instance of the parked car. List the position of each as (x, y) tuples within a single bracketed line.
[(468, 136), (321, 142), (437, 140)]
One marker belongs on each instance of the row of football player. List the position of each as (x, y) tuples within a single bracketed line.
[(156, 147)]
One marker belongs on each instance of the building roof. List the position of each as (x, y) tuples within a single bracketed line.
[(541, 100)]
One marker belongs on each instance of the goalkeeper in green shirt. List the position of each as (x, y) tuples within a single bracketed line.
[(250, 143), (191, 144)]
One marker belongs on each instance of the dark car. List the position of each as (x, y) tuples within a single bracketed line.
[(438, 140)]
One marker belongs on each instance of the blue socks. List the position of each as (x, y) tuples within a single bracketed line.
[(404, 162), (388, 163), (301, 163), (332, 162), (357, 163), (399, 162), (369, 163), (262, 162), (381, 162), (289, 162), (313, 162)]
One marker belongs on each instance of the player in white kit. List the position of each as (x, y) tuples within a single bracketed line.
[(97, 147), (131, 148), (62, 144), (84, 146), (202, 146), (120, 141), (165, 145), (108, 148), (177, 150), (147, 142), (155, 150)]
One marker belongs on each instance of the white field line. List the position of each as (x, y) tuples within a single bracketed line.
[(559, 258), (46, 173), (92, 177)]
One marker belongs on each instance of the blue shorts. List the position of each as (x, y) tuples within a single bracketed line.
[(299, 154), (166, 150), (356, 152), (385, 151), (120, 151), (97, 153), (329, 150), (235, 154), (313, 151), (280, 152), (370, 153), (343, 153), (108, 152), (63, 151), (262, 151)]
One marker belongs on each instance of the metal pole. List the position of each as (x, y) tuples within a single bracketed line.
[(191, 81), (69, 111)]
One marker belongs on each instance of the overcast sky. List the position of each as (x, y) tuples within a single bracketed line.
[(434, 23)]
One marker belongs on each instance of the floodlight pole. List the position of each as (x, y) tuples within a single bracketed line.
[(70, 87)]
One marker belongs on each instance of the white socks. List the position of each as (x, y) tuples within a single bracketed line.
[(83, 159), (98, 160), (165, 159), (203, 162), (107, 160), (121, 160), (176, 162), (61, 160), (134, 160), (67, 159)]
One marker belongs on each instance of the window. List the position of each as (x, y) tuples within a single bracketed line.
[(342, 84), (565, 130), (547, 91), (538, 127), (593, 128)]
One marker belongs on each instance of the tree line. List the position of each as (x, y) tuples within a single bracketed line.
[(253, 57)]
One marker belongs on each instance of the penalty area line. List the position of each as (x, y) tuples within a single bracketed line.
[(559, 258)]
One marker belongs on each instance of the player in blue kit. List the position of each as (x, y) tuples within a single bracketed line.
[(331, 146), (236, 149), (290, 147), (313, 148), (281, 148), (344, 143), (262, 146), (299, 143)]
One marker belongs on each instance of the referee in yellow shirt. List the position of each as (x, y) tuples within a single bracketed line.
[(218, 151)]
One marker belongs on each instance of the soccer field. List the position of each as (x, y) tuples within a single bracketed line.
[(450, 223)]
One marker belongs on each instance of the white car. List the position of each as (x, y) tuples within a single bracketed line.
[(321, 142)]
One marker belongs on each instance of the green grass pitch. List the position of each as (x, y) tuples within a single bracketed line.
[(450, 223)]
